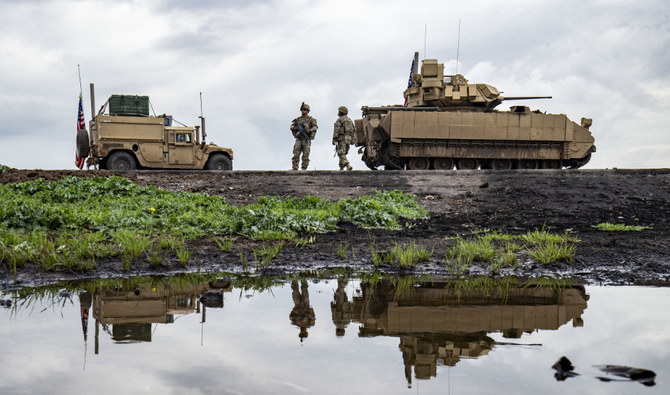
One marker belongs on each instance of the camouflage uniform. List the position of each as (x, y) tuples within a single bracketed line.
[(343, 136), (301, 143)]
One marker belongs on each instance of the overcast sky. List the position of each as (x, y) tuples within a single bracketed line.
[(256, 61)]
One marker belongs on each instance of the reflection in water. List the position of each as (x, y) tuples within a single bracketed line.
[(127, 314), (564, 369), (438, 323), (302, 314), (433, 322)]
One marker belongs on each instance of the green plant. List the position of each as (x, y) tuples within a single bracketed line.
[(184, 255), (224, 243), (342, 251), (540, 237), (264, 255), (155, 258), (554, 252), (608, 227)]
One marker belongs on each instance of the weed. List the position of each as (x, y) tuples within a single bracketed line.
[(554, 252), (245, 262), (224, 243), (155, 258), (301, 242), (184, 255), (606, 226), (264, 255), (342, 251), (540, 237)]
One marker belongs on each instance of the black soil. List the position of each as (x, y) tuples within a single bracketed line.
[(460, 203)]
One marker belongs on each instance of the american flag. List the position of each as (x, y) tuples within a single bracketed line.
[(81, 124), (409, 81)]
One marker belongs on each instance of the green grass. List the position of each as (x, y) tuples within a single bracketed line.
[(264, 255), (608, 227), (224, 243), (504, 250), (68, 224), (404, 256)]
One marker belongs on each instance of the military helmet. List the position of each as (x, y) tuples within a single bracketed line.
[(304, 106), (343, 110)]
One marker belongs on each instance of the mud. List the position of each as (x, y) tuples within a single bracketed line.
[(460, 202)]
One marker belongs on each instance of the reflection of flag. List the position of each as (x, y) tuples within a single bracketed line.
[(84, 321), (81, 124), (409, 81)]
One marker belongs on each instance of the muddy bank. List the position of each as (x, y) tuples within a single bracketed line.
[(460, 202)]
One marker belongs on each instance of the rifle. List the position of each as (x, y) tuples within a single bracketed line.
[(301, 128)]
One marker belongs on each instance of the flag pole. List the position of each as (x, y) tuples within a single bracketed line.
[(80, 87)]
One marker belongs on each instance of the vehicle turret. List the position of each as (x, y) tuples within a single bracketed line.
[(431, 88)]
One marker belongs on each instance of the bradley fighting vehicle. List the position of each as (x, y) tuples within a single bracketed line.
[(124, 137), (448, 122)]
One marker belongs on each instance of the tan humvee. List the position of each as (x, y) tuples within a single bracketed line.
[(119, 141)]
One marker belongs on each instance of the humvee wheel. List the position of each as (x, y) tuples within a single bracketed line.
[(83, 147), (467, 164), (443, 164), (219, 162), (528, 164), (501, 164), (121, 161), (419, 164), (551, 164)]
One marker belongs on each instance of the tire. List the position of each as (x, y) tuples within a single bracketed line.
[(83, 144), (219, 162), (121, 161)]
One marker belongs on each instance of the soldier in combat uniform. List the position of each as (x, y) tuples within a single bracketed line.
[(343, 136), (304, 130)]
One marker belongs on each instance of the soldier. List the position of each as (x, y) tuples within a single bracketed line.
[(304, 130), (343, 136)]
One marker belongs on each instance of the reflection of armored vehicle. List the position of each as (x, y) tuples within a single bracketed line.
[(448, 122), (126, 137), (440, 322)]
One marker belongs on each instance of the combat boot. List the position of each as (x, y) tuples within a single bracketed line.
[(349, 167)]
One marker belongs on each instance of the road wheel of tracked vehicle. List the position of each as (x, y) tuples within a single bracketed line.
[(467, 164), (501, 164), (219, 162), (419, 164), (443, 164), (551, 164), (121, 161), (83, 146), (528, 164)]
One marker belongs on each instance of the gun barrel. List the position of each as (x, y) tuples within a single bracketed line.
[(525, 97)]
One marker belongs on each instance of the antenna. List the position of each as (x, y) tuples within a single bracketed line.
[(458, 46), (425, 34), (202, 121)]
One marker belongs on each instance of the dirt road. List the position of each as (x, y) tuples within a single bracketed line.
[(460, 203)]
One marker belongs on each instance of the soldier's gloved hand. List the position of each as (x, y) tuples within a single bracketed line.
[(334, 142)]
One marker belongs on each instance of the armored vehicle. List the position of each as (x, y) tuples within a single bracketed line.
[(123, 136), (448, 122)]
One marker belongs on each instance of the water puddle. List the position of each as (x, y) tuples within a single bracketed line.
[(374, 335)]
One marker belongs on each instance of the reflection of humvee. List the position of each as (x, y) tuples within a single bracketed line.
[(124, 137)]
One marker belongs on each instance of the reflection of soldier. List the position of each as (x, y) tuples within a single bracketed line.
[(302, 314), (343, 136), (341, 307), (304, 130)]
